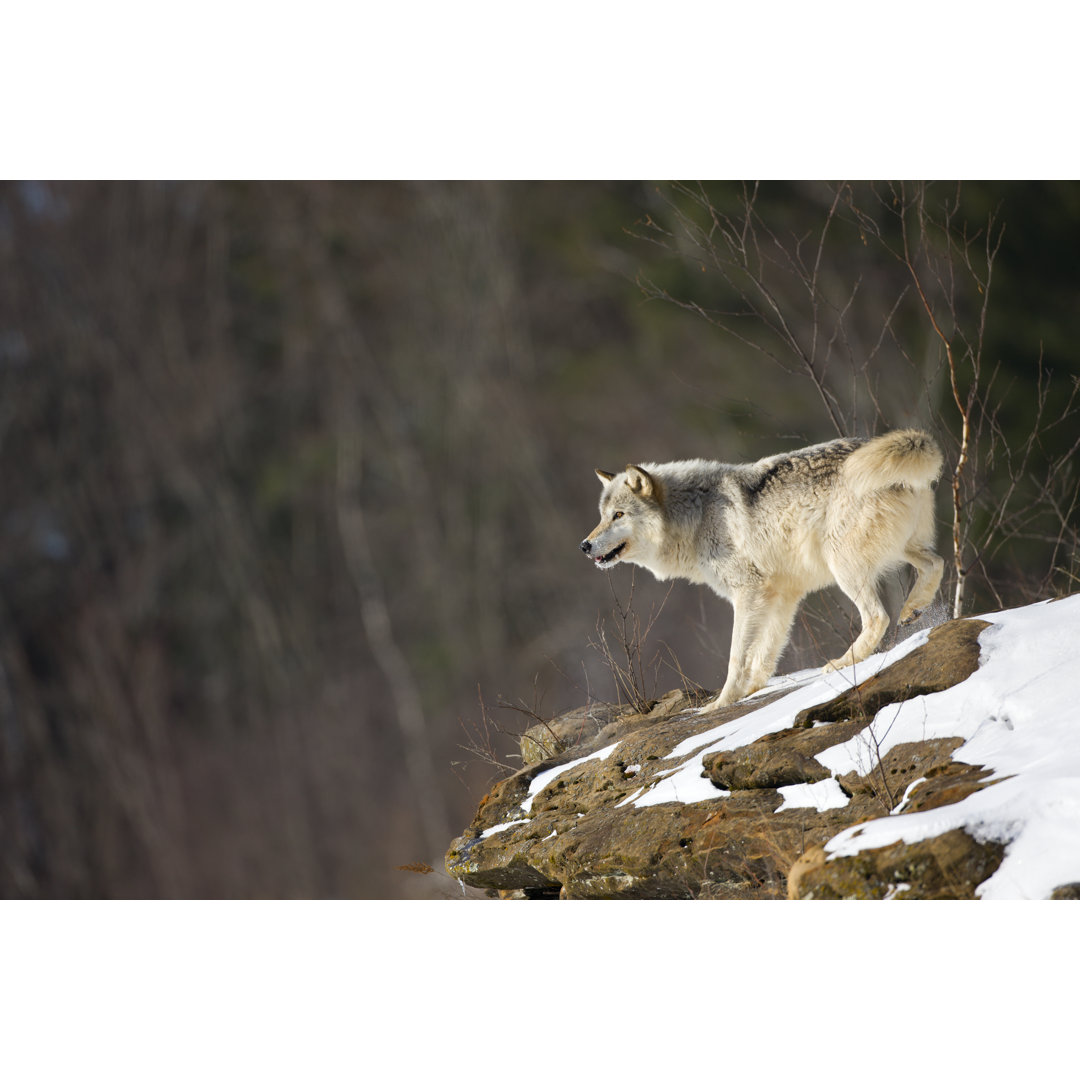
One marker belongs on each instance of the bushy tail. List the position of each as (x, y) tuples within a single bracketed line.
[(899, 458)]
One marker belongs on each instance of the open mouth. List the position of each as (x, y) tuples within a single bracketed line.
[(610, 557)]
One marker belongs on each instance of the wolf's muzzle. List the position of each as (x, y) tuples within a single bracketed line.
[(602, 560)]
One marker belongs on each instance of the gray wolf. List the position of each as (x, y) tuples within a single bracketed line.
[(765, 535)]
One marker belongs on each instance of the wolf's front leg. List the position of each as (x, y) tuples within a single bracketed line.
[(762, 625), (738, 672)]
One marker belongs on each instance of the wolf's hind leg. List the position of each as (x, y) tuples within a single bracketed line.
[(929, 567), (861, 589)]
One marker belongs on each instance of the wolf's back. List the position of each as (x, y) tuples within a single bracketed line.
[(909, 458)]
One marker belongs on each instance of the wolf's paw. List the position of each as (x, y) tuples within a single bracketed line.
[(711, 705), (910, 617), (727, 696), (836, 665), (708, 707)]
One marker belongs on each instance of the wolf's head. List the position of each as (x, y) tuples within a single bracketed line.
[(630, 518)]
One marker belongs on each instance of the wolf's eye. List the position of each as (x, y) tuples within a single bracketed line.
[(618, 514)]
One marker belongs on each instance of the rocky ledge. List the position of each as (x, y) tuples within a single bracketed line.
[(740, 803)]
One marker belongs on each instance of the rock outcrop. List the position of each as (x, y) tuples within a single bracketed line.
[(589, 816)]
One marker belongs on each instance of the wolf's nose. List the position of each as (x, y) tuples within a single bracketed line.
[(586, 546)]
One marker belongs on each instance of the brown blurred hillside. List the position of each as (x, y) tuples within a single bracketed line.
[(294, 477)]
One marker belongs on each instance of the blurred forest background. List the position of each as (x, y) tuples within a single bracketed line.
[(294, 477)]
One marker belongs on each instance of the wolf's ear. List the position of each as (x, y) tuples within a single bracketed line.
[(606, 477), (639, 481)]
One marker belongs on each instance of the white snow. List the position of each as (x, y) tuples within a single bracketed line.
[(1018, 714), (502, 827), (824, 795)]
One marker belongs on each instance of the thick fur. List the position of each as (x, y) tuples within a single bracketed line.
[(765, 535)]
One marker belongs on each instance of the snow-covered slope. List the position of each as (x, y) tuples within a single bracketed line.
[(1019, 715)]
